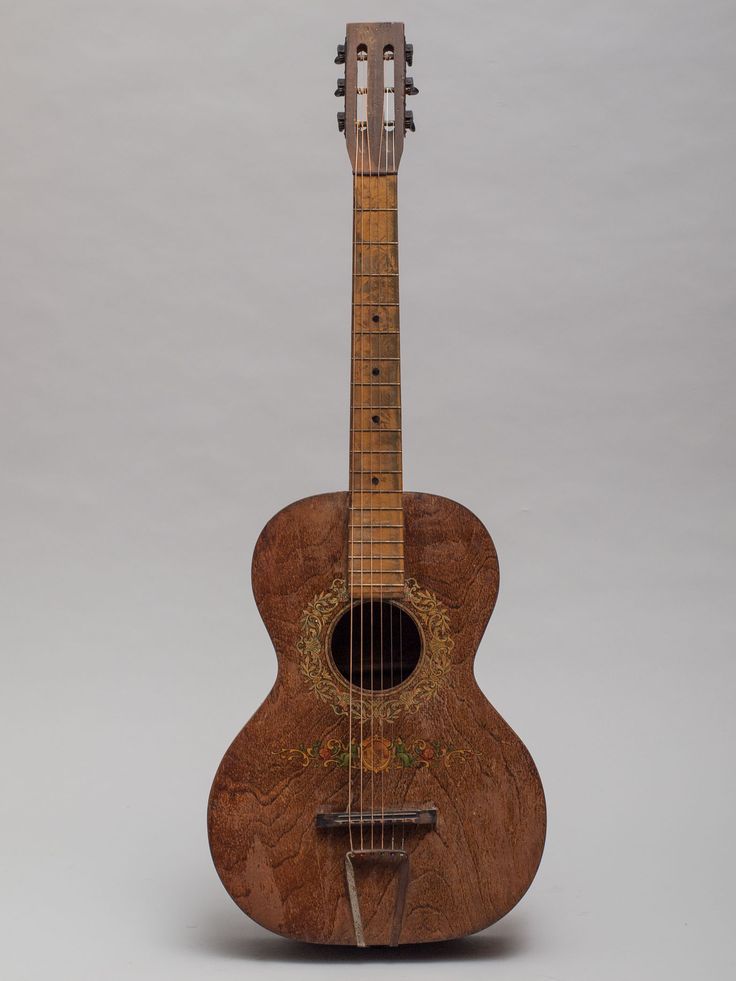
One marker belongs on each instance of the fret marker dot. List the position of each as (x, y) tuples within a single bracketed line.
[(374, 480), (375, 318), (376, 418), (376, 371)]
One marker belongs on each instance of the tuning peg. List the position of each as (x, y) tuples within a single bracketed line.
[(411, 88), (340, 90), (341, 121), (409, 54), (340, 59), (409, 121)]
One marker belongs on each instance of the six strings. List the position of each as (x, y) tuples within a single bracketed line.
[(386, 159)]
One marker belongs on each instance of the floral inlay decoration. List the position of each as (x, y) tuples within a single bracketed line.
[(377, 754), (433, 619)]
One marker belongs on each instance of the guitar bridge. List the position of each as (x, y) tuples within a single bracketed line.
[(332, 820)]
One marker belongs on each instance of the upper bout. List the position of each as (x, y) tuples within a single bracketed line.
[(448, 551)]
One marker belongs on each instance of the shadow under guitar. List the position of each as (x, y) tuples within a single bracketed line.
[(243, 940)]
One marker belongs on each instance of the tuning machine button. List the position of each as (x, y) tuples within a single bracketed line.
[(341, 121), (409, 121), (411, 88), (340, 58), (340, 90), (409, 54)]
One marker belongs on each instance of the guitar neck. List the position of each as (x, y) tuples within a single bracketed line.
[(376, 533)]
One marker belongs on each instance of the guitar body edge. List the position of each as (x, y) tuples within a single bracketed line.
[(433, 742)]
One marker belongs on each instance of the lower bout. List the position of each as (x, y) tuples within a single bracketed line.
[(406, 884)]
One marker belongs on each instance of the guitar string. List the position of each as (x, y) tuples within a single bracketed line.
[(387, 203), (351, 557), (377, 400), (371, 442), (362, 496), (400, 481), (357, 596), (359, 189)]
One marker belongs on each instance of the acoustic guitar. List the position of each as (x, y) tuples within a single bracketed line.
[(376, 797)]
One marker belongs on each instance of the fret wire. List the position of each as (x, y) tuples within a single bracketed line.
[(377, 526), (386, 558), (397, 556), (379, 541), (399, 562), (366, 581), (393, 559), (399, 508)]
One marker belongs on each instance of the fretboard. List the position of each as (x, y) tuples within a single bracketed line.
[(376, 531)]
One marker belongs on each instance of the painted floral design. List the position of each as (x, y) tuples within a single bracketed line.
[(433, 618), (377, 754)]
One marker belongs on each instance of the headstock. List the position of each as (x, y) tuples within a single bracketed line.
[(375, 88)]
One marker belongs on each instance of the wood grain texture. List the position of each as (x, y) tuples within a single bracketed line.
[(480, 859), (376, 528), (374, 148)]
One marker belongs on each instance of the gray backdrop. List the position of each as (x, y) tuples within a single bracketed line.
[(175, 327)]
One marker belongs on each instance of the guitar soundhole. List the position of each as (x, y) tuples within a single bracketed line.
[(386, 645)]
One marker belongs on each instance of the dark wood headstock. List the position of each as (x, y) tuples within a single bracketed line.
[(375, 89)]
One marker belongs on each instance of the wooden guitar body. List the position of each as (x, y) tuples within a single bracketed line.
[(432, 743), (376, 797)]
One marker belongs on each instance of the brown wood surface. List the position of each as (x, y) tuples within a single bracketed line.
[(372, 147), (479, 860), (376, 526)]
